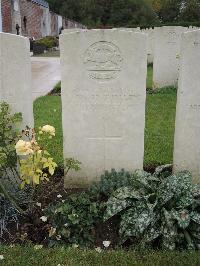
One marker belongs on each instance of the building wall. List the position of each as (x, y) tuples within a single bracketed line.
[(0, 18), (35, 20), (6, 16), (54, 24), (32, 14), (16, 16)]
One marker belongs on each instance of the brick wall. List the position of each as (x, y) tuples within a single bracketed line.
[(32, 14), (6, 16), (35, 20)]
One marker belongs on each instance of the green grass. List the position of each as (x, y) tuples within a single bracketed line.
[(160, 125), (26, 256), (47, 111), (149, 77), (49, 54), (159, 131)]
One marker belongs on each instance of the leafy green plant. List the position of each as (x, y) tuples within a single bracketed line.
[(159, 209), (34, 162), (73, 220), (8, 136), (109, 182), (8, 216), (9, 177), (10, 194), (48, 42)]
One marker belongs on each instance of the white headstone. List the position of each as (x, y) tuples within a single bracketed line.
[(103, 101), (150, 44), (15, 75), (72, 30), (187, 133), (129, 29), (60, 23), (166, 55)]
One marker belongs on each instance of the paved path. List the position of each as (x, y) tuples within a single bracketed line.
[(45, 75)]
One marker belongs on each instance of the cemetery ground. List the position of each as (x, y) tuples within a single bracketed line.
[(49, 54), (159, 131), (45, 74), (159, 135), (29, 256)]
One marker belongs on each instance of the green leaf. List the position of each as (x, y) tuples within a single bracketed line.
[(160, 169), (122, 198), (152, 233), (196, 190), (168, 242), (142, 178), (126, 192), (167, 218), (174, 186), (195, 216), (115, 206), (136, 220), (185, 200), (182, 217)]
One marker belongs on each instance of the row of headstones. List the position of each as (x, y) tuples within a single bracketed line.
[(103, 98), (163, 50), (164, 47)]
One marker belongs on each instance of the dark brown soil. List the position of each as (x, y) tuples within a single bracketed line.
[(32, 229)]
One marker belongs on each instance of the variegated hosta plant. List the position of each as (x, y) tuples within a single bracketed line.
[(158, 209)]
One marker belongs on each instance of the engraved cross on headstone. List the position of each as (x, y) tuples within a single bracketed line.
[(106, 137)]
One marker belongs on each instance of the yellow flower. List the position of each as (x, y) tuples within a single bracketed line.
[(23, 148), (48, 129)]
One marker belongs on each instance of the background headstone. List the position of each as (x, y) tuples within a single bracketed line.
[(15, 75), (166, 55), (187, 133), (150, 44), (103, 101), (72, 30)]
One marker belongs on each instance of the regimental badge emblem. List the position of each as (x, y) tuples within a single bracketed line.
[(103, 61)]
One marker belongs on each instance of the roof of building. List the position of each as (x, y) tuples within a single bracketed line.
[(41, 3)]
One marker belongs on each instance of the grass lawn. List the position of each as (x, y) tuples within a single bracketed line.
[(159, 131), (149, 76), (49, 54), (25, 256), (160, 125), (47, 110)]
